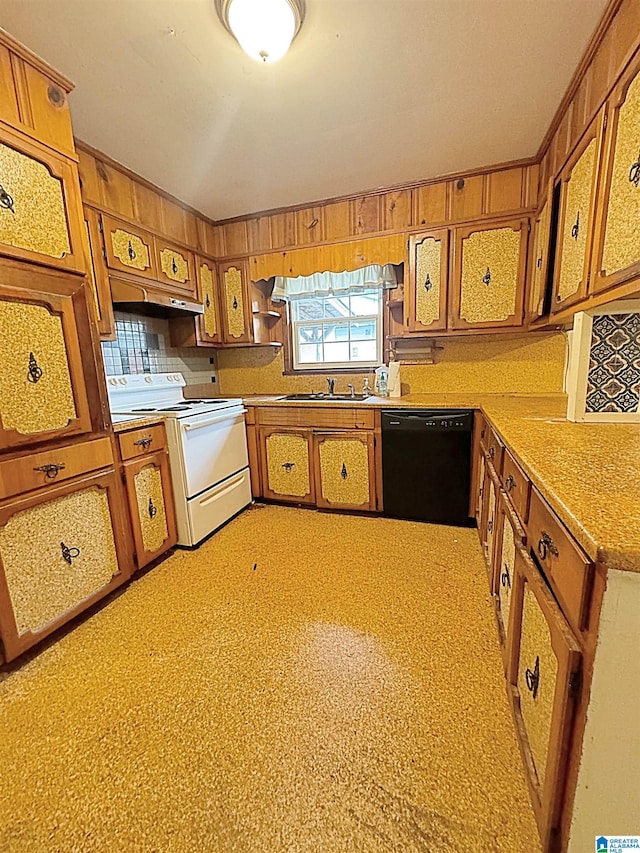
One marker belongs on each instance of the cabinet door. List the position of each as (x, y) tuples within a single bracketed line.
[(127, 249), (575, 223), (61, 549), (209, 329), (151, 505), (287, 464), (543, 678), (617, 243), (426, 290), (344, 470), (488, 276), (508, 534), (40, 212), (43, 394), (98, 276), (175, 267), (540, 262), (236, 311)]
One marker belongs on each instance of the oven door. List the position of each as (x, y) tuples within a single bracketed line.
[(214, 446)]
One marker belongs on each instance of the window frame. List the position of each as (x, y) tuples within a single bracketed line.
[(295, 366)]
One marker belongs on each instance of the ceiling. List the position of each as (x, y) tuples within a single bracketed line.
[(372, 92)]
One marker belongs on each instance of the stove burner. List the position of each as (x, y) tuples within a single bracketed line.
[(135, 411), (208, 401), (177, 409)]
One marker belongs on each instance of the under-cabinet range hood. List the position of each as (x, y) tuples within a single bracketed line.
[(138, 299)]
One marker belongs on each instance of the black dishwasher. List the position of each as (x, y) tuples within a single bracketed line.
[(426, 464)]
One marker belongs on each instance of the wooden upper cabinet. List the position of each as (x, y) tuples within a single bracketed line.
[(210, 325), (539, 261), (116, 190), (545, 660), (337, 220), (34, 97), (147, 206), (426, 288), (175, 267), (43, 392), (396, 210), (488, 275), (98, 275), (40, 210), (617, 247), (234, 298), (575, 222), (430, 204), (504, 191), (465, 198), (129, 249)]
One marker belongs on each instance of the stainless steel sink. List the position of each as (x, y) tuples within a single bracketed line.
[(326, 398)]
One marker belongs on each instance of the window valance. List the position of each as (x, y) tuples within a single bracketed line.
[(378, 276)]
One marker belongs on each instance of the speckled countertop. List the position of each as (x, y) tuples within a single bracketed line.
[(122, 423), (588, 473)]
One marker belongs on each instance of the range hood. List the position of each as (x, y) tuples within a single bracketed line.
[(139, 299)]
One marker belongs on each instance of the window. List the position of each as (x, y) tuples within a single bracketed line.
[(337, 331)]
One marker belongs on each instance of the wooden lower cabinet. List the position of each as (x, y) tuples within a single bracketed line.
[(344, 469), (61, 549), (509, 535), (543, 677), (150, 496), (287, 464)]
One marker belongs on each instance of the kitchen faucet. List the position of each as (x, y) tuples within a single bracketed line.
[(352, 389), (332, 384), (366, 388)]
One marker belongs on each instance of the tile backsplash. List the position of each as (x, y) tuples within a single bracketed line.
[(613, 383), (143, 346)]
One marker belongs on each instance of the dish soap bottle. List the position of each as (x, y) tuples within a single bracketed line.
[(382, 381)]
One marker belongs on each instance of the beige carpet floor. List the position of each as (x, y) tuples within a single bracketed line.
[(301, 682)]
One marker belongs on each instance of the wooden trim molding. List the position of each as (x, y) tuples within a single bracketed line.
[(17, 47)]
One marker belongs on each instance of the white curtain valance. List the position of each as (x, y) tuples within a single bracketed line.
[(327, 283)]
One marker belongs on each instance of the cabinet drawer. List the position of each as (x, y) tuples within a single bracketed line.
[(566, 567), (138, 442), (493, 448), (516, 484), (320, 418), (52, 466), (543, 678)]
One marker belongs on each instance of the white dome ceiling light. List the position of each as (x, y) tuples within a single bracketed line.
[(264, 29)]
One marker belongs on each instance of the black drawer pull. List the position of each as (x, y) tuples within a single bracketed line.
[(533, 678), (634, 172), (490, 526), (510, 483), (505, 578), (6, 200), (208, 301), (539, 262), (428, 283), (131, 252), (145, 442), (235, 303), (50, 470), (486, 278), (69, 554), (288, 466), (35, 371), (344, 473), (546, 546), (153, 510)]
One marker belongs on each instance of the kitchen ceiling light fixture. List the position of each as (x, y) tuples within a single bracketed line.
[(264, 29)]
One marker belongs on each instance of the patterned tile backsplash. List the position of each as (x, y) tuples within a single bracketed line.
[(143, 346), (614, 364)]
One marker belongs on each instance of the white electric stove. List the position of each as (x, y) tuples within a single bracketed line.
[(207, 448)]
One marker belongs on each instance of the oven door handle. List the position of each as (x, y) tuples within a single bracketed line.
[(228, 417)]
